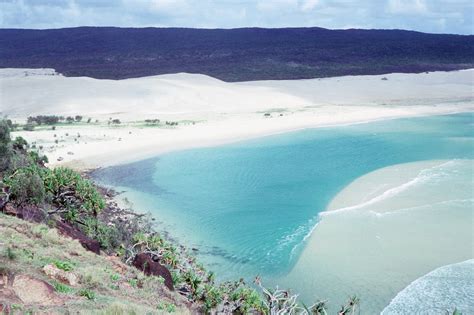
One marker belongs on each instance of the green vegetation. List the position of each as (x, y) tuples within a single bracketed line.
[(10, 254), (48, 122), (36, 245), (63, 265), (72, 198), (226, 297), (44, 119), (25, 181), (25, 186), (87, 293), (169, 307), (62, 194), (152, 121), (5, 146), (62, 288)]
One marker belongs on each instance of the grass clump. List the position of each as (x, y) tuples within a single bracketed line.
[(10, 253), (63, 265), (166, 306), (62, 288), (87, 293)]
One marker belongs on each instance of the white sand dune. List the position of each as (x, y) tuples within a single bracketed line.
[(211, 111), (131, 99)]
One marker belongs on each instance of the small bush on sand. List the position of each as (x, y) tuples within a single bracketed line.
[(29, 127)]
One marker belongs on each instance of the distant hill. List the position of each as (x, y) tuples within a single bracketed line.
[(233, 54)]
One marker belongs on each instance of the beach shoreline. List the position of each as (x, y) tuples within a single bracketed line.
[(211, 112), (383, 223), (87, 146), (134, 153)]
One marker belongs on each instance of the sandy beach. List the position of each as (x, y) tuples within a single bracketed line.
[(386, 229), (208, 111)]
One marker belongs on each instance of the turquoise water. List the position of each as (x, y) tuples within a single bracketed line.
[(248, 206), (386, 229)]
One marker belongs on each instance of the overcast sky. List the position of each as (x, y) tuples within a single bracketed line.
[(434, 16)]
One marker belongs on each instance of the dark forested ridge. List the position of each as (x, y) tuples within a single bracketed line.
[(233, 54)]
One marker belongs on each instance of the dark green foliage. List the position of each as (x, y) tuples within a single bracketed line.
[(10, 253), (169, 307), (107, 236), (26, 186), (28, 182), (38, 159), (19, 143), (152, 121), (61, 288), (43, 119), (10, 124), (29, 127), (64, 265), (87, 293), (70, 190), (78, 118), (5, 146), (211, 297), (233, 54)]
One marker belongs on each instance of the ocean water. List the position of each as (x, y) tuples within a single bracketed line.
[(445, 288), (386, 229), (249, 207)]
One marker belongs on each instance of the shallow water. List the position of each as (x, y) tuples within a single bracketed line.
[(386, 229), (249, 207)]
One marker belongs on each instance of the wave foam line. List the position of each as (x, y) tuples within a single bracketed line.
[(422, 176), (440, 289), (409, 209)]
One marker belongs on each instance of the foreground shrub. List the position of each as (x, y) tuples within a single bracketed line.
[(107, 236), (26, 186), (5, 146), (70, 190)]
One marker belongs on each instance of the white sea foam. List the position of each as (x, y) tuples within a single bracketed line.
[(308, 234), (423, 176), (442, 289), (430, 205), (296, 238)]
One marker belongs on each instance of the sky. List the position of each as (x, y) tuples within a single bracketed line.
[(432, 16)]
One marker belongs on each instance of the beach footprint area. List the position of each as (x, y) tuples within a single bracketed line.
[(331, 212)]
